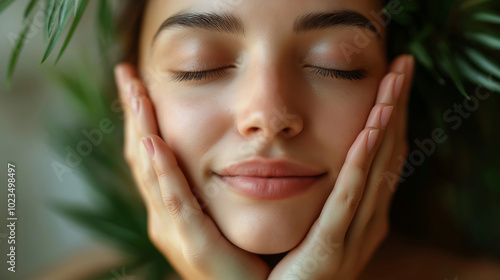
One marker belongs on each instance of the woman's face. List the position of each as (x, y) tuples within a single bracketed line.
[(272, 98)]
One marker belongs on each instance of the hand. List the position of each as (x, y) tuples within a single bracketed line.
[(354, 220), (177, 226)]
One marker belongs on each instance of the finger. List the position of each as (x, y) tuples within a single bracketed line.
[(177, 197), (404, 64), (135, 98), (342, 203), (124, 73), (377, 226), (380, 163), (145, 123), (356, 234), (376, 179), (401, 153), (139, 121)]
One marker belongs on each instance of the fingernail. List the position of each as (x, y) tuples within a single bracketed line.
[(398, 86), (135, 105), (372, 138), (148, 144), (134, 90), (386, 116)]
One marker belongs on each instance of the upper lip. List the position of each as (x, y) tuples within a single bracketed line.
[(261, 167)]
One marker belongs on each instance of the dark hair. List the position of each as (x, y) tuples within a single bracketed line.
[(129, 28)]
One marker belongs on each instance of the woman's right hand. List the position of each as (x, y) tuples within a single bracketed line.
[(177, 225)]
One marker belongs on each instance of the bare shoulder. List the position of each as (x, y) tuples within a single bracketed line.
[(400, 257)]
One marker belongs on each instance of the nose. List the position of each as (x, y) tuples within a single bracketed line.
[(268, 105)]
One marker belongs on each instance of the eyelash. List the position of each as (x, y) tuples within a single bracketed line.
[(198, 75), (354, 75), (338, 74)]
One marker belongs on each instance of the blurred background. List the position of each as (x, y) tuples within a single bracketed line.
[(42, 118), (79, 215)]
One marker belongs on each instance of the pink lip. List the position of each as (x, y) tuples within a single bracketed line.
[(269, 179)]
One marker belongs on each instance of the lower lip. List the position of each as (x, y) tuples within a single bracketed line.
[(269, 188)]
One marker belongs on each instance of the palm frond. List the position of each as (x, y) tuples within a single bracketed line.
[(437, 32), (59, 14)]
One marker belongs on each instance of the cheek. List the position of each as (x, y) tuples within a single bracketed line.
[(189, 126), (340, 120)]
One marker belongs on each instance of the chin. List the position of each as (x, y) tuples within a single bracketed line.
[(264, 227)]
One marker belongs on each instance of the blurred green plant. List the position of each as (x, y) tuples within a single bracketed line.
[(453, 198), (118, 214)]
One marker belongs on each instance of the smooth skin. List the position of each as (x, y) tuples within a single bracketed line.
[(270, 98), (352, 224)]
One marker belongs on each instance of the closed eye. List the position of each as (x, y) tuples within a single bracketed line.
[(198, 75), (209, 74), (353, 75)]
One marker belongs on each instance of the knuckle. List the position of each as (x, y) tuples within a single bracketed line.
[(173, 205), (196, 253), (351, 201), (194, 257)]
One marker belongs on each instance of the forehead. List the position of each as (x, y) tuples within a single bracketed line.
[(259, 18), (257, 14)]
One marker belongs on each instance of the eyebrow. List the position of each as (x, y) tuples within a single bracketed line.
[(228, 23)]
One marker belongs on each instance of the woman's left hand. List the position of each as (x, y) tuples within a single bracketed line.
[(354, 220)]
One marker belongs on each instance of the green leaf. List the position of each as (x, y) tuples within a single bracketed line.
[(29, 8), (16, 52), (486, 64), (446, 62), (467, 5), (49, 9), (487, 17), (4, 4), (76, 7), (78, 16), (476, 77), (53, 16), (422, 55), (489, 40), (105, 20), (63, 21)]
